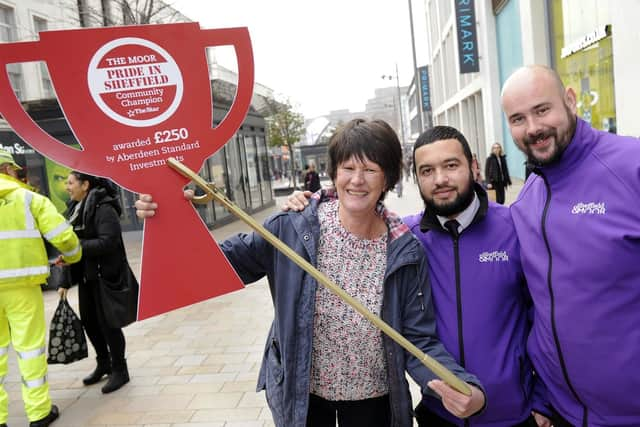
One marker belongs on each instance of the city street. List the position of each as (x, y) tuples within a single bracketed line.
[(193, 367)]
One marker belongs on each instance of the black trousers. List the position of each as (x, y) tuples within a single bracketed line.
[(500, 193), (426, 418), (108, 342), (374, 412), (558, 420)]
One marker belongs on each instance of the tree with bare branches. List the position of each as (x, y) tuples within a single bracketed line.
[(285, 127), (92, 13)]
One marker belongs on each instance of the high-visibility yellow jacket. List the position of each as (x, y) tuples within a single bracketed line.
[(25, 218)]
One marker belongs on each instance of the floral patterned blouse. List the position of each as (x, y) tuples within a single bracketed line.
[(348, 359)]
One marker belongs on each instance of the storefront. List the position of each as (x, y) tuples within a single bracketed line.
[(241, 167), (582, 54)]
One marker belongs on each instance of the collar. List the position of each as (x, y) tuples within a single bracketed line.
[(468, 217), (465, 217), (394, 223)]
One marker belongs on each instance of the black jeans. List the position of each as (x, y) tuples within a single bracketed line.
[(500, 193), (558, 420), (108, 342), (374, 412), (426, 418)]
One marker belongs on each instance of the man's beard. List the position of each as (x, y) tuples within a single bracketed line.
[(558, 146), (459, 204)]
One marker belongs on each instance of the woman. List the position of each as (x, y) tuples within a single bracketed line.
[(94, 213), (312, 179), (322, 360), (497, 173)]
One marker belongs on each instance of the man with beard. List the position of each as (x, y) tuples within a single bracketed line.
[(578, 223), (479, 293)]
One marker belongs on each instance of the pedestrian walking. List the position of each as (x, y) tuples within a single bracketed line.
[(94, 213), (25, 219), (578, 223), (312, 179), (497, 172)]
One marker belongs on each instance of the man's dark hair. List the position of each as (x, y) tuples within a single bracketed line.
[(439, 133), (373, 139)]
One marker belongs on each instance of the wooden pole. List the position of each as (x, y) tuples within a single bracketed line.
[(213, 193)]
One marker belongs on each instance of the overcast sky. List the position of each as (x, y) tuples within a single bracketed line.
[(324, 55)]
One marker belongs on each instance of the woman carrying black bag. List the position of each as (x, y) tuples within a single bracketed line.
[(94, 212)]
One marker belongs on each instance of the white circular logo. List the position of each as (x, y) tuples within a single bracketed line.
[(135, 82)]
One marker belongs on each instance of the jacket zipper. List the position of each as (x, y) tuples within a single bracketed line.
[(456, 257), (554, 328)]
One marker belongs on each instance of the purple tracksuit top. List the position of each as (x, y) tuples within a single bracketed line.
[(484, 322), (578, 223)]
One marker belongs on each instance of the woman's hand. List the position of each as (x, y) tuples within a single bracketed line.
[(460, 405), (63, 293), (297, 201), (146, 207)]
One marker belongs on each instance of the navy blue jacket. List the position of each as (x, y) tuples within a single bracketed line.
[(482, 309), (286, 364)]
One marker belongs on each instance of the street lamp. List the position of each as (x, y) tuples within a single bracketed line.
[(399, 104)]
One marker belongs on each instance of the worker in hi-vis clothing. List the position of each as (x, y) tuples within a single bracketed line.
[(25, 219)]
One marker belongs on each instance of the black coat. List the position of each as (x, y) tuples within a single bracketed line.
[(492, 173), (98, 227), (312, 181)]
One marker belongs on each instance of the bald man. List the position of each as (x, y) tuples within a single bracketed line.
[(578, 223)]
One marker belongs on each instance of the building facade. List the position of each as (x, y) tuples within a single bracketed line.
[(592, 44), (241, 167), (467, 100)]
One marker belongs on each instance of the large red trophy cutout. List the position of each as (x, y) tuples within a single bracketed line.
[(133, 97)]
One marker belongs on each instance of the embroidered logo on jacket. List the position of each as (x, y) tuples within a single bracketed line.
[(589, 208), (494, 256)]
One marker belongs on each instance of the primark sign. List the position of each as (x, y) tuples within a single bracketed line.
[(467, 36), (424, 88)]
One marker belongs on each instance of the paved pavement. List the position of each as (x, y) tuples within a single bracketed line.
[(193, 367)]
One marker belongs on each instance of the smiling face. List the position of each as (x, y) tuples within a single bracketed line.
[(540, 112), (76, 188), (444, 177), (360, 184)]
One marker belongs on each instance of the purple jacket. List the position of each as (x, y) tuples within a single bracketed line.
[(484, 327), (578, 223)]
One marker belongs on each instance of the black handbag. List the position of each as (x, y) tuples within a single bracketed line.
[(119, 299), (67, 342), (60, 276)]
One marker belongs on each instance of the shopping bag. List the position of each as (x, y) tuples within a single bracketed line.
[(67, 342)]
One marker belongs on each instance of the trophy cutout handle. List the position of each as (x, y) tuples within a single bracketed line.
[(240, 40), (17, 117)]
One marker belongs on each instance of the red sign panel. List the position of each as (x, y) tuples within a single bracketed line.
[(134, 96)]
